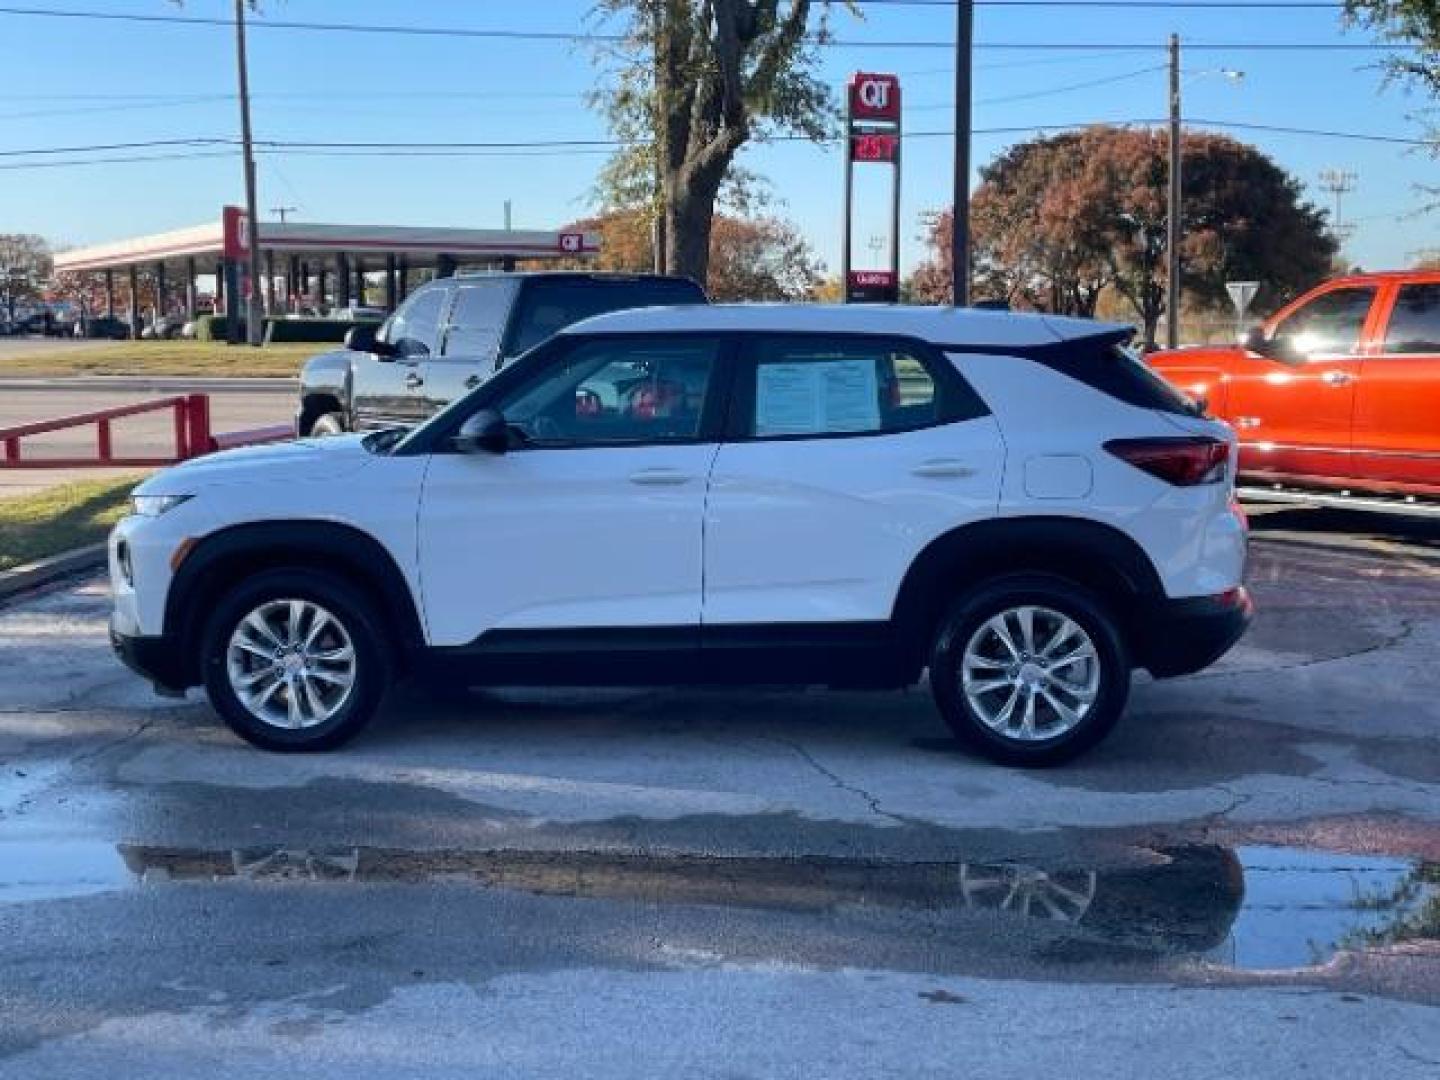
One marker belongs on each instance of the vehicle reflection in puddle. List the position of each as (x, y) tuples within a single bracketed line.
[(1246, 907)]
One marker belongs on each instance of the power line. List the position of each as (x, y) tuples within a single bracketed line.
[(560, 147), (397, 30)]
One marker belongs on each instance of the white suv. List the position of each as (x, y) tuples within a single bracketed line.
[(757, 495)]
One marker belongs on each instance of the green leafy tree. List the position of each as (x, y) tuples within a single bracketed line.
[(692, 82), (1415, 23)]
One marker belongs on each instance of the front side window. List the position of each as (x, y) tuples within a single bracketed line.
[(476, 317), (616, 391), (1415, 322), (834, 386), (1329, 325), (414, 328)]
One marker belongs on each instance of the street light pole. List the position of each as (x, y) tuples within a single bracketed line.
[(252, 215), (1172, 232), (960, 215)]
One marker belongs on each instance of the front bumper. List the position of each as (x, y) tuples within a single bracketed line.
[(1178, 637), (159, 659)]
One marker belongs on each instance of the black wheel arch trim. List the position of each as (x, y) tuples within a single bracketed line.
[(1087, 552), (343, 550)]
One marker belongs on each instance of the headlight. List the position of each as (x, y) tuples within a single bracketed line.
[(155, 505)]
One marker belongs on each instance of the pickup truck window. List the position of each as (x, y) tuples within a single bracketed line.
[(413, 329), (1329, 325), (547, 307), (1415, 322), (476, 318)]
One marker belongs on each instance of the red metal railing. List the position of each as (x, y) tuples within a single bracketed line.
[(192, 435)]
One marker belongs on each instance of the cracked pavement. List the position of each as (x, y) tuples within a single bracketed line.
[(716, 883)]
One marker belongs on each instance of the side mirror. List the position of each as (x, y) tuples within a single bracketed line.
[(1256, 341), (364, 339), (486, 432)]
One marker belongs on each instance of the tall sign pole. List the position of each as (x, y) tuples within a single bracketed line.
[(252, 216), (872, 137), (1172, 231), (960, 215)]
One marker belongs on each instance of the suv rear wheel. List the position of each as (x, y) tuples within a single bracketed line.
[(295, 661), (1030, 670)]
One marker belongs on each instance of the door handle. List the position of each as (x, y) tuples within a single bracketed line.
[(472, 382), (941, 468), (660, 477), (1247, 421), (412, 381), (1337, 378)]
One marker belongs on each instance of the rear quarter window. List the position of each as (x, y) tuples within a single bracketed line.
[(1118, 372)]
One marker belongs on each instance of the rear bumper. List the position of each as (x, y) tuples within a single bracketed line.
[(159, 659), (1178, 637)]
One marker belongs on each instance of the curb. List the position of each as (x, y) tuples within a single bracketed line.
[(24, 579), (146, 384)]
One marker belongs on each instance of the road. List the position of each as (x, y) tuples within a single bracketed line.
[(721, 884), (146, 435)]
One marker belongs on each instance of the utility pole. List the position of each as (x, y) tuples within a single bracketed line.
[(1172, 231), (1339, 183), (282, 212), (960, 215), (252, 217)]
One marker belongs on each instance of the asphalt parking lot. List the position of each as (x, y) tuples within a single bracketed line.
[(1241, 881)]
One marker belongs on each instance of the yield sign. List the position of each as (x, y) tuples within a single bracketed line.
[(1241, 293)]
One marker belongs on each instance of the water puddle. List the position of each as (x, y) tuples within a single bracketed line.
[(1246, 907)]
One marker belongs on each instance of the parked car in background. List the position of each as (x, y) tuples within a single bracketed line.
[(784, 494), (359, 313), (454, 333), (1338, 390), (164, 328), (101, 326)]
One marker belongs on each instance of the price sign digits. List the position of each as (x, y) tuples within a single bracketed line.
[(873, 146)]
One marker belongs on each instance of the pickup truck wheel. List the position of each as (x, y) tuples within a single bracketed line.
[(331, 423), (295, 661), (1030, 670)]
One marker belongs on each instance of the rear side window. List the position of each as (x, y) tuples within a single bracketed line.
[(1118, 372), (807, 387), (476, 317), (547, 307), (1415, 322)]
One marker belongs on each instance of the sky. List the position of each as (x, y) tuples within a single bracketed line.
[(67, 82)]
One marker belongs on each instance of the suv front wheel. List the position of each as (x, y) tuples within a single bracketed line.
[(1030, 670), (295, 661)]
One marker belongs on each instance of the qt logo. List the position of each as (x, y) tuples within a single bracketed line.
[(875, 97), (572, 242), (875, 94)]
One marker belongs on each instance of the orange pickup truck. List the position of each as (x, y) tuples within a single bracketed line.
[(1340, 389)]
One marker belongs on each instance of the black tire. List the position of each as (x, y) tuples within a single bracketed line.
[(331, 423), (350, 607), (989, 599)]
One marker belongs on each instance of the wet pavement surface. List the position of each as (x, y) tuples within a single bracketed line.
[(1244, 880)]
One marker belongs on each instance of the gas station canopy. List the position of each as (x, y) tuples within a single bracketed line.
[(310, 262)]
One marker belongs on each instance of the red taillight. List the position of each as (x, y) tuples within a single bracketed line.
[(1184, 462)]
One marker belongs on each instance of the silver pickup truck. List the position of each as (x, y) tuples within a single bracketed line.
[(451, 335)]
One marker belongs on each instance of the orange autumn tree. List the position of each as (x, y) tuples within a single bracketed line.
[(751, 258), (1058, 220)]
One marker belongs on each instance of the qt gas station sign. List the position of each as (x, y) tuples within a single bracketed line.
[(872, 137)]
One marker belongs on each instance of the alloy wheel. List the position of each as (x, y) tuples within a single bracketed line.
[(291, 664), (1030, 673)]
